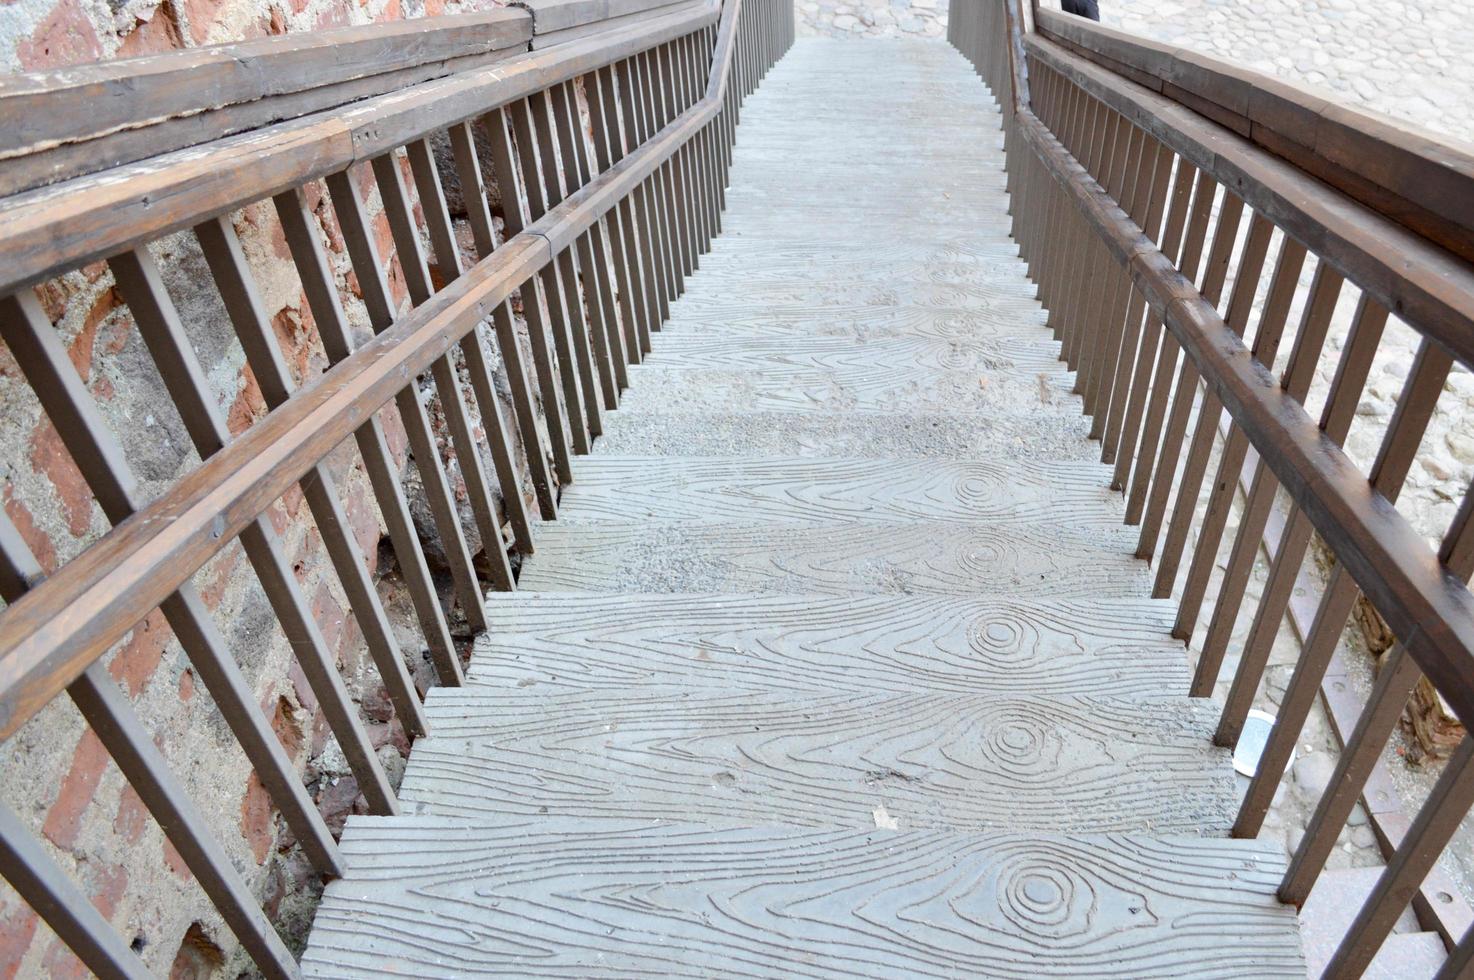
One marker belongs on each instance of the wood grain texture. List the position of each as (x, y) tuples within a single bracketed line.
[(860, 385), (980, 356), (439, 898), (696, 490), (539, 643), (913, 558), (965, 762), (893, 435), (996, 320)]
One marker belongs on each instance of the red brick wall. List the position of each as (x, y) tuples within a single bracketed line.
[(57, 775)]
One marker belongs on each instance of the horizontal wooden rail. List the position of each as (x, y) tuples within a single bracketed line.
[(1413, 177), (54, 228), (1144, 180), (1430, 610), (54, 632), (1409, 276), (65, 122), (610, 152)]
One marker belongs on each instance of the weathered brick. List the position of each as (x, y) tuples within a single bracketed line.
[(64, 818), (138, 658), (50, 458), (66, 37)]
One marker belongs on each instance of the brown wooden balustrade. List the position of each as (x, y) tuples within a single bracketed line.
[(1191, 227), (602, 226)]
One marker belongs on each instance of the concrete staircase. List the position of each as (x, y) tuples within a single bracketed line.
[(837, 662)]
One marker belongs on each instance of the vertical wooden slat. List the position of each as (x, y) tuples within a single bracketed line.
[(406, 238), (539, 186), (1441, 815), (1345, 394), (510, 181), (68, 912), (67, 403), (448, 264), (232, 277), (118, 727), (1315, 321), (1210, 409), (483, 232), (369, 270), (373, 447), (158, 322)]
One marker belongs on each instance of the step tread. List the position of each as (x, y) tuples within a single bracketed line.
[(559, 642), (1028, 561), (961, 761), (709, 490), (889, 435), (438, 898)]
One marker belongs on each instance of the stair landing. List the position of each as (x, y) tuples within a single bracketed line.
[(837, 662)]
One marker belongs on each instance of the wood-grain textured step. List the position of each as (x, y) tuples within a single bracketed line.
[(889, 435), (965, 762), (714, 490), (545, 897), (541, 643), (913, 558), (837, 662)]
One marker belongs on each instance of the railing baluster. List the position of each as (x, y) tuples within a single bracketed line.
[(1345, 394), (514, 185), (1120, 440), (1210, 409), (1185, 392), (222, 251), (112, 718), (1168, 352), (332, 327), (1283, 285), (69, 913), (483, 231), (1399, 445), (1443, 811), (540, 181), (406, 237), (1154, 175), (624, 248), (158, 322), (448, 264), (36, 348), (601, 326), (1325, 290), (369, 269)]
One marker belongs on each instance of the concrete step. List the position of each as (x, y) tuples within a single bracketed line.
[(1338, 895), (554, 643), (864, 384), (1006, 323), (916, 557), (900, 354), (445, 898), (836, 759), (912, 435), (726, 490), (763, 293)]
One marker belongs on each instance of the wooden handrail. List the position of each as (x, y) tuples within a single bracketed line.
[(604, 222), (52, 634), (1411, 176), (55, 228), (1415, 278), (1123, 124)]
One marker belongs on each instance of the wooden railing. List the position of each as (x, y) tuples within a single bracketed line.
[(1174, 212), (603, 225)]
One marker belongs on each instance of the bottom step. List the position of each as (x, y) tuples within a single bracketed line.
[(551, 897)]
